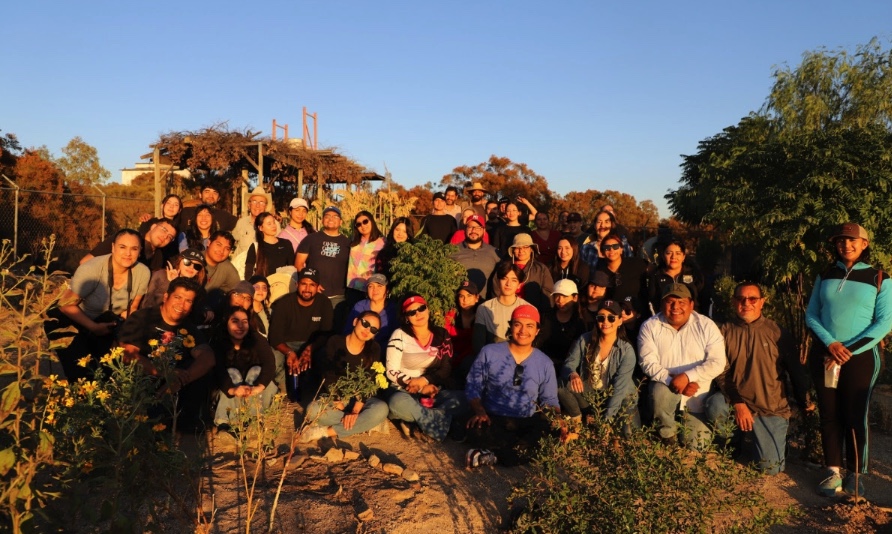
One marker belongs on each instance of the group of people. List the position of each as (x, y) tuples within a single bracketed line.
[(548, 320)]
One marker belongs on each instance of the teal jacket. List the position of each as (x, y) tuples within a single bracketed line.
[(846, 306)]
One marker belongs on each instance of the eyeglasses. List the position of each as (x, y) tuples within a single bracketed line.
[(748, 300), (365, 324), (362, 223), (609, 318), (194, 264), (614, 246), (420, 309), (257, 202), (518, 375)]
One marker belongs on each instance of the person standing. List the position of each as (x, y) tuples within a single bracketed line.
[(268, 252), (439, 224), (245, 234), (477, 257), (327, 252), (452, 208), (298, 227), (478, 199), (850, 312)]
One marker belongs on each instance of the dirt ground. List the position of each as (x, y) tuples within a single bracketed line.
[(320, 496)]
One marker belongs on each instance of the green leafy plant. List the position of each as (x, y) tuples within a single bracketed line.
[(426, 267), (615, 479)]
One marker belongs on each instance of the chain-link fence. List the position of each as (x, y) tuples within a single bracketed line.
[(79, 221)]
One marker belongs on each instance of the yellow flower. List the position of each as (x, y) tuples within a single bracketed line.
[(177, 357), (133, 452), (103, 395), (107, 359), (378, 367), (183, 331), (141, 418), (159, 427), (90, 387), (50, 418), (52, 378), (381, 381), (83, 362), (189, 342), (63, 383), (69, 402), (153, 342)]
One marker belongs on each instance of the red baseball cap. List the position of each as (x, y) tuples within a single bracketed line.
[(525, 311)]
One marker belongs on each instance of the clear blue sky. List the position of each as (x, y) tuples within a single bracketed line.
[(588, 94)]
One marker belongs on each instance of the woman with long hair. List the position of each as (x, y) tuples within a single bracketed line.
[(674, 267), (419, 368), (200, 229), (504, 235), (563, 324), (245, 368), (260, 306), (627, 280), (459, 322), (268, 252), (347, 417), (171, 208), (603, 225), (600, 360), (850, 312), (401, 231), (189, 264), (494, 316), (365, 245), (567, 264)]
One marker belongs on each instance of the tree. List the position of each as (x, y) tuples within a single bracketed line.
[(9, 151), (630, 213), (80, 163), (504, 178)]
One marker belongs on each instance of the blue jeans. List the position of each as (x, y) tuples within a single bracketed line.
[(665, 403), (432, 421), (227, 405), (769, 434), (373, 412)]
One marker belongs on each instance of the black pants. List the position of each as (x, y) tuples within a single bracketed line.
[(512, 439), (844, 409)]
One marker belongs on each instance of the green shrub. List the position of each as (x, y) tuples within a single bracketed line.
[(608, 481), (426, 267)]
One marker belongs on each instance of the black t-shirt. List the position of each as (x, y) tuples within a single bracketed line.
[(440, 226), (280, 254), (328, 255), (147, 324), (292, 322), (333, 360), (504, 237)]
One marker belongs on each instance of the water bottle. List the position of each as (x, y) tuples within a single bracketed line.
[(831, 376), (293, 387)]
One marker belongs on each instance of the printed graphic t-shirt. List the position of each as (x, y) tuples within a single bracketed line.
[(329, 256)]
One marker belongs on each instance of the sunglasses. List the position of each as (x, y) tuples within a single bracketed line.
[(194, 264), (609, 318), (614, 246), (365, 324), (748, 300), (518, 375), (420, 309), (360, 224)]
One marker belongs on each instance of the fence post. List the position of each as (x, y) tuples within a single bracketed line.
[(101, 192), (15, 218)]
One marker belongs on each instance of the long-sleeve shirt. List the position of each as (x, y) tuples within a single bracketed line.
[(407, 359), (760, 356), (491, 380), (362, 263), (846, 306), (697, 349)]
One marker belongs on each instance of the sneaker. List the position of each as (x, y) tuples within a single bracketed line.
[(849, 485), (830, 485), (479, 457), (313, 433)]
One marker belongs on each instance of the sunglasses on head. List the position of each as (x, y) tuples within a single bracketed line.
[(362, 223), (609, 318), (420, 309), (365, 324), (194, 264), (518, 375), (614, 246)]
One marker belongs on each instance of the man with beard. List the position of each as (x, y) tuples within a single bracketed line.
[(153, 254), (478, 199), (168, 326), (477, 257), (298, 322), (327, 253), (452, 208)]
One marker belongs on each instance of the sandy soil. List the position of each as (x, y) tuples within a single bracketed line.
[(323, 497)]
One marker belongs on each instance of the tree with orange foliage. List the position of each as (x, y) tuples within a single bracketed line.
[(504, 178), (629, 212)]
